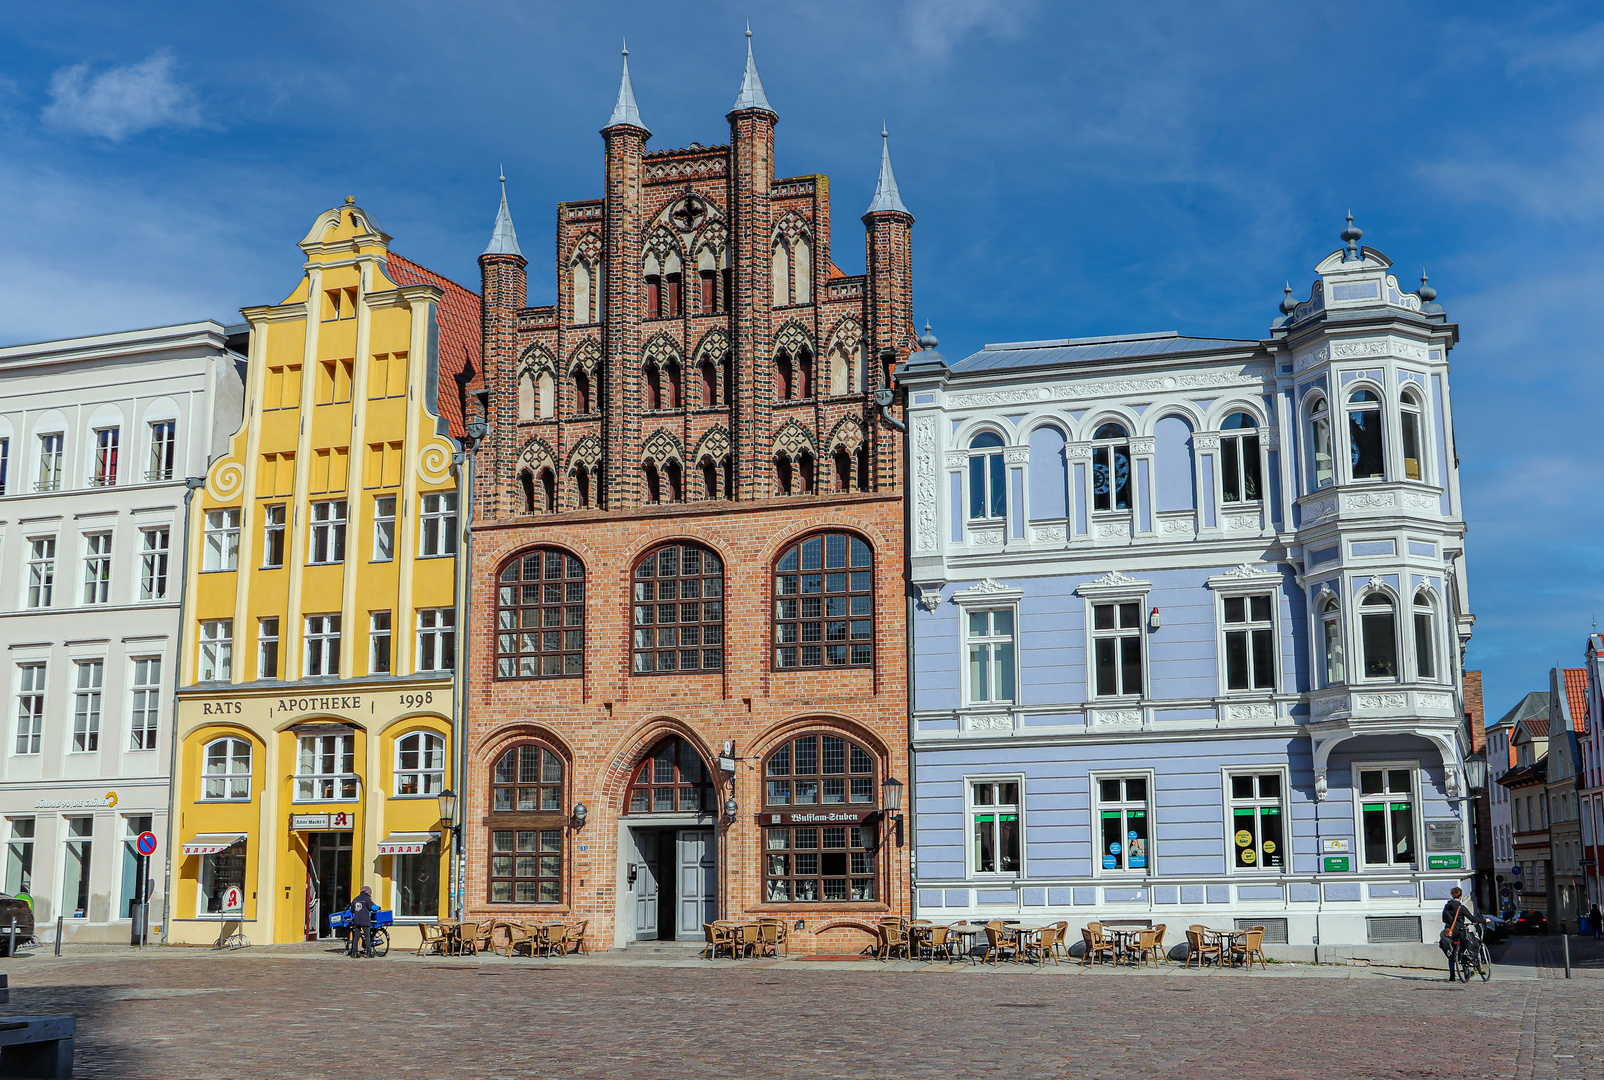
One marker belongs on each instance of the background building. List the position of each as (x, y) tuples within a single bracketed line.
[(688, 692), (1501, 762), (1567, 727), (1592, 779), (1486, 894), (96, 437), (315, 715), (1527, 784), (1190, 625)]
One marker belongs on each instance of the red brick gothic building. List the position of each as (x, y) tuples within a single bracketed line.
[(687, 568)]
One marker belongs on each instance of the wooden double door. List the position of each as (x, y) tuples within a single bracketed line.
[(673, 876)]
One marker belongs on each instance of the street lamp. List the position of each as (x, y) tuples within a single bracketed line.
[(581, 811), (891, 793), (731, 808), (1476, 772), (448, 807)]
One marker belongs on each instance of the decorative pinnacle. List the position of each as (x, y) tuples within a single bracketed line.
[(1351, 235), (751, 95), (1288, 305), (625, 111), (350, 200), (1426, 293), (928, 340)]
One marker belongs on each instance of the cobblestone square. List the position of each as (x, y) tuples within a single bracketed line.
[(263, 1013)]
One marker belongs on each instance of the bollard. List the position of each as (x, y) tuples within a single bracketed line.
[(60, 920), (11, 933), (1567, 940), (5, 989)]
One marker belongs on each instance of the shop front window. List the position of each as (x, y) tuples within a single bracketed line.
[(994, 826), (19, 857), (1387, 816), (1257, 823), (133, 825), (417, 883), (814, 860), (813, 863), (217, 873), (1123, 817), (78, 852), (674, 779)]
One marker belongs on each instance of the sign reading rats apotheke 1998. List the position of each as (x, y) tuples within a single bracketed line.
[(273, 707), (818, 817)]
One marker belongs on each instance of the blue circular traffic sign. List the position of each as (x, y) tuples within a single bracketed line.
[(146, 844)]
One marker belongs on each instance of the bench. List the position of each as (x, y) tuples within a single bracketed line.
[(37, 1046)]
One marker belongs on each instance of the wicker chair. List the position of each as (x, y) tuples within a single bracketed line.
[(1199, 947), (1158, 941), (938, 939), (485, 939), (576, 936), (1096, 944), (1041, 947), (1061, 940), (433, 939), (556, 939), (783, 930), (1146, 945), (467, 935), (1251, 947), (720, 935), (1000, 939), (893, 937)]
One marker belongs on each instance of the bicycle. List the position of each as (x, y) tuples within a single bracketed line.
[(1469, 956), (340, 922)]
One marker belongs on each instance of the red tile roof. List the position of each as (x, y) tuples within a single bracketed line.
[(1576, 697), (1536, 726), (458, 317)]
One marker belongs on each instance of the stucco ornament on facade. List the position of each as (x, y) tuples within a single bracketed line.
[(1016, 455), (929, 597), (1206, 440), (1369, 500), (925, 498), (1144, 445), (1050, 533), (956, 459)]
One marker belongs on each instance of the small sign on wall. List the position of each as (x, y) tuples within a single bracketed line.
[(1443, 835), (1335, 846), (1337, 864), (1444, 862)]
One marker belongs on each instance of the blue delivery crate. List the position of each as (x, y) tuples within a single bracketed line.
[(341, 920)]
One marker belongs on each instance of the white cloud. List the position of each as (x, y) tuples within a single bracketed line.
[(938, 25), (121, 101)]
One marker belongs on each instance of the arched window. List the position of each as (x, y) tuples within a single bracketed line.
[(548, 395), (1364, 435), (676, 481), (672, 780), (862, 459), (807, 863), (782, 274), (804, 373), (840, 366), (1111, 468), (824, 603), (654, 387), (1331, 634), (1425, 636), (802, 269), (1409, 413), (581, 289), (1378, 627), (709, 377), (226, 769), (581, 391), (548, 491), (671, 391), (526, 852), (804, 472), (582, 487), (420, 764), (678, 610), (527, 396), (526, 484), (654, 483), (783, 377), (1239, 459), (988, 490), (843, 469), (540, 616), (1320, 442), (782, 473)]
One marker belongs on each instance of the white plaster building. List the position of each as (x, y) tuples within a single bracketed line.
[(96, 437)]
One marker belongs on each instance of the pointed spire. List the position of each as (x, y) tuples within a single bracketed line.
[(886, 195), (504, 239), (751, 95), (625, 112)]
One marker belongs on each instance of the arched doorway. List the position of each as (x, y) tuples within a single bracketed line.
[(668, 851)]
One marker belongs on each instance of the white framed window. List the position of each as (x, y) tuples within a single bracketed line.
[(1256, 820), (105, 463), (996, 827), (322, 645), (1123, 806), (437, 639), (1425, 613), (154, 548), (1117, 648), (989, 635), (1366, 442), (222, 540), (1239, 459), (97, 567), (437, 531), (1111, 468), (1333, 651), (41, 571), (267, 646), (1378, 633), (325, 769), (216, 650), (384, 528), (1250, 639), (227, 771), (5, 462), (1386, 798), (77, 857), (48, 477), (988, 478), (415, 893), (144, 706), (163, 450), (328, 532), (19, 855), (1409, 422), (91, 675), (420, 764), (1322, 464), (30, 708), (378, 641), (273, 536)]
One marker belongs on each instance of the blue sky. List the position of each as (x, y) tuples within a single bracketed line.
[(1075, 169)]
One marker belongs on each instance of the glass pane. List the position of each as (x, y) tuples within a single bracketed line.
[(1236, 660), (1403, 832), (1107, 678), (1231, 487), (999, 487), (1008, 842), (1373, 818), (1398, 782), (1245, 837), (1380, 645), (1113, 840), (1241, 787), (1263, 660), (1364, 430), (985, 844), (1130, 650), (1272, 843), (1136, 790)]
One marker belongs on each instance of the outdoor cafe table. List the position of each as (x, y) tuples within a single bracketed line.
[(1226, 939), (1124, 943), (967, 932)]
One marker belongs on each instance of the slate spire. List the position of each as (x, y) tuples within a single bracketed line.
[(751, 95), (625, 111), (886, 195), (504, 238)]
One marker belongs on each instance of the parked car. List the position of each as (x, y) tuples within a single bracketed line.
[(1498, 927), (1530, 922), (14, 907)]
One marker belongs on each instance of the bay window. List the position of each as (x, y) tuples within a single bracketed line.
[(1368, 456), (1378, 628)]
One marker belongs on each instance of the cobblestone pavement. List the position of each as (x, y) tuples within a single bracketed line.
[(303, 1013)]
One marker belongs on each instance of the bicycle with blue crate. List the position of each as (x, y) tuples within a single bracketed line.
[(340, 923)]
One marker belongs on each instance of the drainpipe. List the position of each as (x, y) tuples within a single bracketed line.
[(191, 485), (884, 399)]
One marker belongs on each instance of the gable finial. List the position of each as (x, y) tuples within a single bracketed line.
[(1350, 237)]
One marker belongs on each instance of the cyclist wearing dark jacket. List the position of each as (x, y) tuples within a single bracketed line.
[(361, 929), (1456, 916)]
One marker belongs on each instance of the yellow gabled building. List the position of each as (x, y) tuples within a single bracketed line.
[(315, 717)]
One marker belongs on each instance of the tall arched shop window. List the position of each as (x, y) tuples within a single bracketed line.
[(1239, 459), (824, 603), (1320, 442), (1409, 419), (226, 770), (540, 616), (672, 780), (1425, 636), (678, 610), (1111, 468), (819, 862), (1364, 436), (988, 487), (1378, 626), (526, 826), (1331, 637), (420, 764)]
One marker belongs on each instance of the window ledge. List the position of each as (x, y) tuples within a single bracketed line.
[(824, 906)]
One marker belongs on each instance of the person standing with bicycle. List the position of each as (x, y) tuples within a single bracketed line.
[(1456, 920), (361, 930)]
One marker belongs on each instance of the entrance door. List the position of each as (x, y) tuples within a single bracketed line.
[(330, 856), (698, 882), (644, 887)]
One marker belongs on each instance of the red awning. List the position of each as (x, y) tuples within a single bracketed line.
[(406, 843), (211, 843)]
